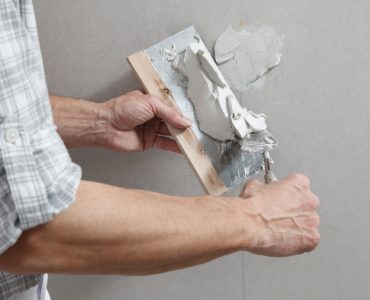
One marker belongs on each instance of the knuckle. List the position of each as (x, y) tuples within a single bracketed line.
[(253, 182), (249, 187), (316, 239), (294, 176), (153, 103), (308, 204), (151, 99), (313, 240), (312, 205), (314, 220), (316, 201), (300, 179), (311, 202), (244, 192)]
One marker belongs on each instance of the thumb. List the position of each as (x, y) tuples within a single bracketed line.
[(168, 113), (250, 187)]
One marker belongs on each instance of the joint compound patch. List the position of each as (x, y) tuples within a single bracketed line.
[(245, 56)]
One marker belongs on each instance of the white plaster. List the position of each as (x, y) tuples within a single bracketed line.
[(178, 64), (210, 67), (170, 54), (246, 55), (218, 111), (209, 100)]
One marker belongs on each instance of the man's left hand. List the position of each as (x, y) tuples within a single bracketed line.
[(136, 123)]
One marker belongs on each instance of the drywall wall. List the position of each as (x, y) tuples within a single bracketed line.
[(321, 87)]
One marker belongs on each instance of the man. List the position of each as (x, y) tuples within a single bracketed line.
[(52, 222)]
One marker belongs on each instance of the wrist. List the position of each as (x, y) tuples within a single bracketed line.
[(104, 130), (228, 220), (101, 130), (249, 222), (81, 123)]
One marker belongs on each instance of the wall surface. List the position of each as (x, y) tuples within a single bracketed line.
[(318, 106)]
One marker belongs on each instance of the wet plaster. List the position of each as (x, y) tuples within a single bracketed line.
[(245, 56), (218, 111)]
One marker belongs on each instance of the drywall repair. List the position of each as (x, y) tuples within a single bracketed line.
[(218, 111), (245, 56)]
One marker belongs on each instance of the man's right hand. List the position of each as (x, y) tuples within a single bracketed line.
[(283, 216)]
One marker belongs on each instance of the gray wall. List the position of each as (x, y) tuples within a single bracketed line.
[(317, 101)]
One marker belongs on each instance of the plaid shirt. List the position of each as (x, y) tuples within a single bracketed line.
[(37, 178)]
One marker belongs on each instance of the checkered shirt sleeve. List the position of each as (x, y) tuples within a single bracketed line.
[(37, 177)]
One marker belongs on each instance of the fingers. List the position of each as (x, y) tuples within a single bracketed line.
[(299, 180), (135, 93), (309, 228), (310, 203), (289, 212), (168, 113), (163, 129), (155, 132), (250, 187), (166, 144), (158, 126), (304, 222)]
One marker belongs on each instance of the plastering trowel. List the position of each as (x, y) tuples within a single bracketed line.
[(218, 165)]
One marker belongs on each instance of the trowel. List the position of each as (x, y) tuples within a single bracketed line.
[(219, 166)]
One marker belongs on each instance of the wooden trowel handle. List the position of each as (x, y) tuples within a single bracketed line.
[(186, 139)]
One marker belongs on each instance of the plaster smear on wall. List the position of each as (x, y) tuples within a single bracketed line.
[(218, 111), (245, 56)]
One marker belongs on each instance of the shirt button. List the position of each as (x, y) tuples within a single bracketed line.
[(11, 135)]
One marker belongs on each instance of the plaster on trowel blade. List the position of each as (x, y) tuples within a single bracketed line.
[(233, 164)]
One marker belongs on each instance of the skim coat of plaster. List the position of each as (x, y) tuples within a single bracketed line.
[(245, 56)]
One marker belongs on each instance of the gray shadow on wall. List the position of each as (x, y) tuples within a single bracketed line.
[(84, 287), (117, 87)]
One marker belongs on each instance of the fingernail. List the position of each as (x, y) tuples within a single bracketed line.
[(186, 121)]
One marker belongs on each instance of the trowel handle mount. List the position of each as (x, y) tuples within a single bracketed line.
[(269, 175)]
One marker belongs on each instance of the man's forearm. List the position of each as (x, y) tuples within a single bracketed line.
[(110, 230), (79, 122)]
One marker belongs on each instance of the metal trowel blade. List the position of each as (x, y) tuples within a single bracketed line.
[(235, 161)]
